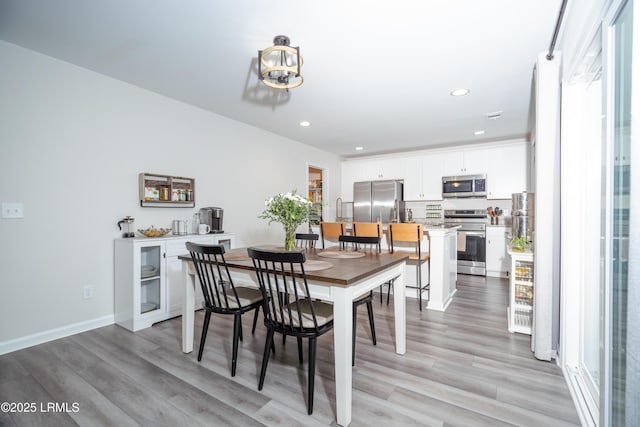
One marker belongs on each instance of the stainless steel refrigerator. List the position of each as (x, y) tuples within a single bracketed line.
[(375, 201)]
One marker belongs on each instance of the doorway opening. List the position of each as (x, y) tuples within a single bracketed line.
[(316, 179)]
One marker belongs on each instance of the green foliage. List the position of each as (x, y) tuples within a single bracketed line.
[(519, 243), (289, 209)]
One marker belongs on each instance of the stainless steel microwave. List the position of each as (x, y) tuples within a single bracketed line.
[(464, 186)]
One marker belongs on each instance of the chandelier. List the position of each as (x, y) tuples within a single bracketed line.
[(279, 65)]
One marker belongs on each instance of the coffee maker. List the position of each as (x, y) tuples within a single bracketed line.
[(212, 216)]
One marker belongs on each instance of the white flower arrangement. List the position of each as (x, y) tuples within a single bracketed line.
[(289, 209)]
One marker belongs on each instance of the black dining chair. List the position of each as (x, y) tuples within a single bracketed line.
[(373, 229), (370, 244), (288, 306), (221, 295), (306, 240)]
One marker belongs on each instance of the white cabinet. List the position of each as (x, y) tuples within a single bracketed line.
[(467, 162), (521, 292), (140, 282), (505, 165), (496, 251), (148, 278), (507, 170), (175, 280), (369, 170), (422, 178), (432, 173), (354, 171), (413, 179)]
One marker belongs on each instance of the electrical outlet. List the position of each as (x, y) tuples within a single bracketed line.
[(87, 292), (12, 210)]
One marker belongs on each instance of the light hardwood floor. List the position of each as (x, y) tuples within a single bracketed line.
[(462, 368)]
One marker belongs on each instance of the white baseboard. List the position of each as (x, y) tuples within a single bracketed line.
[(54, 334)]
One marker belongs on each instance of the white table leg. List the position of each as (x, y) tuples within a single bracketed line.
[(188, 308), (342, 330), (400, 313)]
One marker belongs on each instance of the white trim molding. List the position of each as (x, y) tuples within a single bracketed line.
[(54, 334)]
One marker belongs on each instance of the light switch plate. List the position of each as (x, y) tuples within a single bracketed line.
[(12, 210)]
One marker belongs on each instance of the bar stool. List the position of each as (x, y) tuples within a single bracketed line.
[(410, 236)]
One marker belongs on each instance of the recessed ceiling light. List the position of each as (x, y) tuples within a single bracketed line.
[(459, 92), (359, 148), (305, 124), (479, 132)]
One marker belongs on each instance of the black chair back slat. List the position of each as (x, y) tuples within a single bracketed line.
[(370, 242), (306, 240), (283, 282), (216, 282)]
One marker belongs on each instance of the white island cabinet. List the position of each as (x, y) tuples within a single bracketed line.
[(443, 266), (148, 277)]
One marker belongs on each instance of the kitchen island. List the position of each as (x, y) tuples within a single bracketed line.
[(441, 243), (443, 265)]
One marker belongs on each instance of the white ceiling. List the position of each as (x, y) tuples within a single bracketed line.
[(377, 73)]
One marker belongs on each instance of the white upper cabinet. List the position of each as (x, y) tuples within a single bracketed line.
[(423, 178), (468, 162), (369, 170), (507, 171), (505, 165), (354, 171), (413, 178)]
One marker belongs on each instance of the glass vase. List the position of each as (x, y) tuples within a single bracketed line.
[(289, 238)]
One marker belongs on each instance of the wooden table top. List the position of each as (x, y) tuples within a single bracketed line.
[(342, 272)]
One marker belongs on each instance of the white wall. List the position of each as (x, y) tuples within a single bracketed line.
[(72, 143)]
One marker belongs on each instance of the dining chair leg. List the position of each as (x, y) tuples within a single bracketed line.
[(265, 357), (237, 331), (203, 337), (300, 350), (255, 320), (312, 371), (372, 325), (419, 282), (389, 289)]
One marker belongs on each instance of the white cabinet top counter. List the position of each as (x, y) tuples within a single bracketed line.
[(140, 238)]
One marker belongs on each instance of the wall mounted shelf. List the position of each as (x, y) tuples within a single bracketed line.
[(166, 191)]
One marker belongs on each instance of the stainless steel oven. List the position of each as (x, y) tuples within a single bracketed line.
[(472, 236)]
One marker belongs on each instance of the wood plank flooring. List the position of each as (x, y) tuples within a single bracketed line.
[(462, 368)]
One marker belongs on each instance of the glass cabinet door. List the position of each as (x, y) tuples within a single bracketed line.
[(150, 278)]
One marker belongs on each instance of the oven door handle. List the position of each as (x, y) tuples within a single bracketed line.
[(473, 233)]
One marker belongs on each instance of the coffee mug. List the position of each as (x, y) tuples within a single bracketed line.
[(204, 229)]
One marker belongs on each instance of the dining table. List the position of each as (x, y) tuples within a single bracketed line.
[(333, 275)]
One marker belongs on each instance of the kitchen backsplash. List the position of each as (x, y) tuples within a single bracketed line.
[(419, 208)]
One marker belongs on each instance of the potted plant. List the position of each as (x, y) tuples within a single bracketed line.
[(290, 210), (519, 244)]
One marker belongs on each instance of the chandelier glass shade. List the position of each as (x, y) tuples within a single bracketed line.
[(279, 65)]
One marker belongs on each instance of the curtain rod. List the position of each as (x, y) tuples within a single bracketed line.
[(557, 30)]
